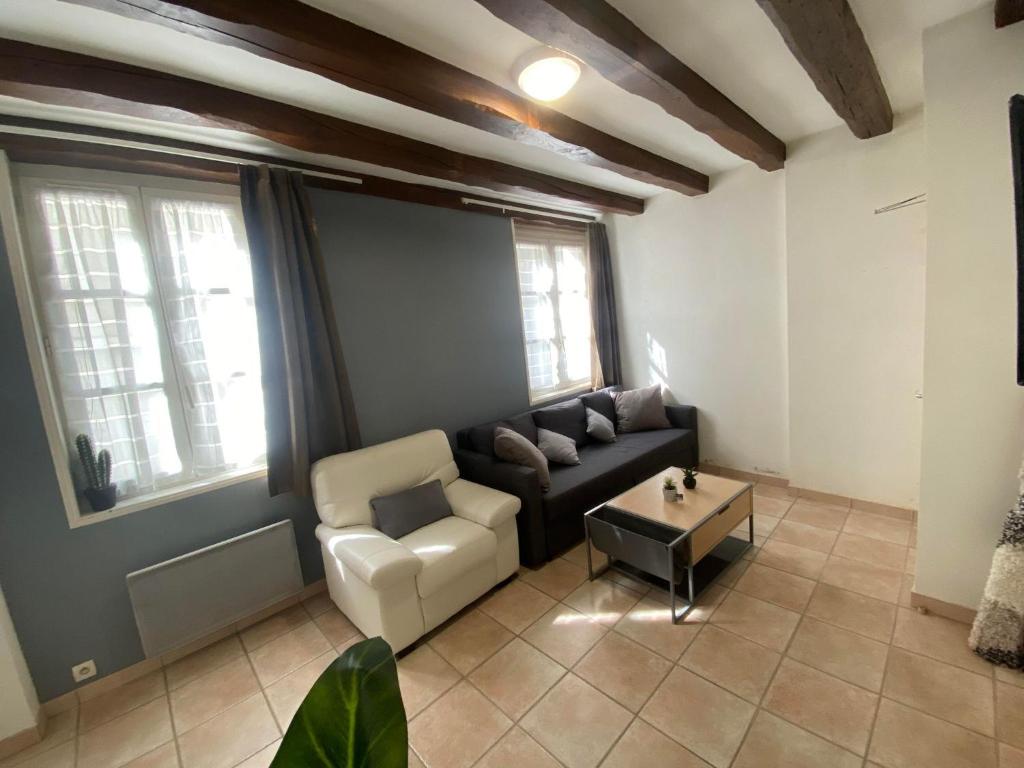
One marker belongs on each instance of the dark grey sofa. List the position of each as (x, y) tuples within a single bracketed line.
[(552, 522)]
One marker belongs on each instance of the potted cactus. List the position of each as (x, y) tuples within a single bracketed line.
[(690, 478), (101, 493), (670, 489)]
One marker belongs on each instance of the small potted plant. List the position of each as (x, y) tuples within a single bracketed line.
[(690, 478), (101, 493), (669, 489)]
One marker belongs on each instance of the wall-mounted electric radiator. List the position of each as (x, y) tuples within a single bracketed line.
[(184, 599)]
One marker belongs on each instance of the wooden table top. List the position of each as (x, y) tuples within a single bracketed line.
[(647, 500)]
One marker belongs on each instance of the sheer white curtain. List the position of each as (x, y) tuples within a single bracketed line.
[(101, 308), (203, 265), (150, 325)]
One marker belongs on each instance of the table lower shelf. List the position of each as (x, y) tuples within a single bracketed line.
[(710, 567)]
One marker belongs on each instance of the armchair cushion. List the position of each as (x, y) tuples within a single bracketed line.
[(480, 504), (375, 558), (402, 513), (449, 549)]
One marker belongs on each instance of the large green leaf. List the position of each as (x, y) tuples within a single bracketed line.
[(352, 717)]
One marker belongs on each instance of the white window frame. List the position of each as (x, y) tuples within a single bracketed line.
[(574, 387), (14, 223)]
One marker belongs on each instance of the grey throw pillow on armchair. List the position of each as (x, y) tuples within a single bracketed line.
[(406, 511), (513, 447), (637, 410)]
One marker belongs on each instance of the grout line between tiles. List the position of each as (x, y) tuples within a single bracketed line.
[(758, 706)]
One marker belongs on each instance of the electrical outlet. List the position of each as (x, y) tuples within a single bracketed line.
[(84, 671)]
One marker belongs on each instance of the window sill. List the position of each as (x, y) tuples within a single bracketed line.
[(582, 389), (165, 496)]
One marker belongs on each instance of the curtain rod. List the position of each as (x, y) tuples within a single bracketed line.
[(221, 157), (534, 211)]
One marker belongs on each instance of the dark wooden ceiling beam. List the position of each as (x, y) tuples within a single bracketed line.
[(1009, 12), (162, 159), (296, 34), (826, 39), (58, 77), (608, 41)]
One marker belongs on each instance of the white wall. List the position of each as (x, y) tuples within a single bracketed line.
[(18, 703), (701, 288), (856, 312), (973, 408)]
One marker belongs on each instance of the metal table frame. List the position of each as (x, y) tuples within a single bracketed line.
[(670, 550)]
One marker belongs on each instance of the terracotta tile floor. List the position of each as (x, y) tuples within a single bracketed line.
[(805, 654)]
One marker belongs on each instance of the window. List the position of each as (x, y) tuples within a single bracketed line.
[(554, 293), (144, 302)]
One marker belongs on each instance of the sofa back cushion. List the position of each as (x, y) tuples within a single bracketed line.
[(637, 410), (343, 484), (602, 401), (568, 418), (399, 514), (481, 438)]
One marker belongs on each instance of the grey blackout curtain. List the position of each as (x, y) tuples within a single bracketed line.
[(602, 308), (308, 401)]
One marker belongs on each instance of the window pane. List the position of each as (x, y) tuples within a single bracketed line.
[(100, 318), (206, 279), (572, 269), (136, 429), (553, 286), (542, 363)]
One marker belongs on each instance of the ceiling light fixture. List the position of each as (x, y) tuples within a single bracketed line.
[(547, 74)]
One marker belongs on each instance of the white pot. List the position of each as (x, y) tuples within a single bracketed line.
[(671, 494)]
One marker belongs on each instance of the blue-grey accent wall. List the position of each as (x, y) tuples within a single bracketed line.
[(427, 307)]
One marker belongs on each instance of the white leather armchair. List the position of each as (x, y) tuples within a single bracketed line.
[(401, 589)]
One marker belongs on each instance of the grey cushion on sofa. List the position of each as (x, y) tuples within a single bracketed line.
[(599, 427), (637, 410), (602, 401), (512, 446), (557, 447), (402, 513), (568, 418)]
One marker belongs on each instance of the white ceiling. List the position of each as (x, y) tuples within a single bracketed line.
[(729, 42)]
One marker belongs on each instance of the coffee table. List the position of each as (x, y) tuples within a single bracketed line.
[(664, 541)]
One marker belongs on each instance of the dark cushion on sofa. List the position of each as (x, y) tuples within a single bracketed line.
[(568, 418), (481, 438), (602, 401)]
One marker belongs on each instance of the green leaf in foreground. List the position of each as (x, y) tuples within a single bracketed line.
[(352, 717)]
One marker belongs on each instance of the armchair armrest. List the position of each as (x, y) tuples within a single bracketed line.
[(378, 560), (481, 505)]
